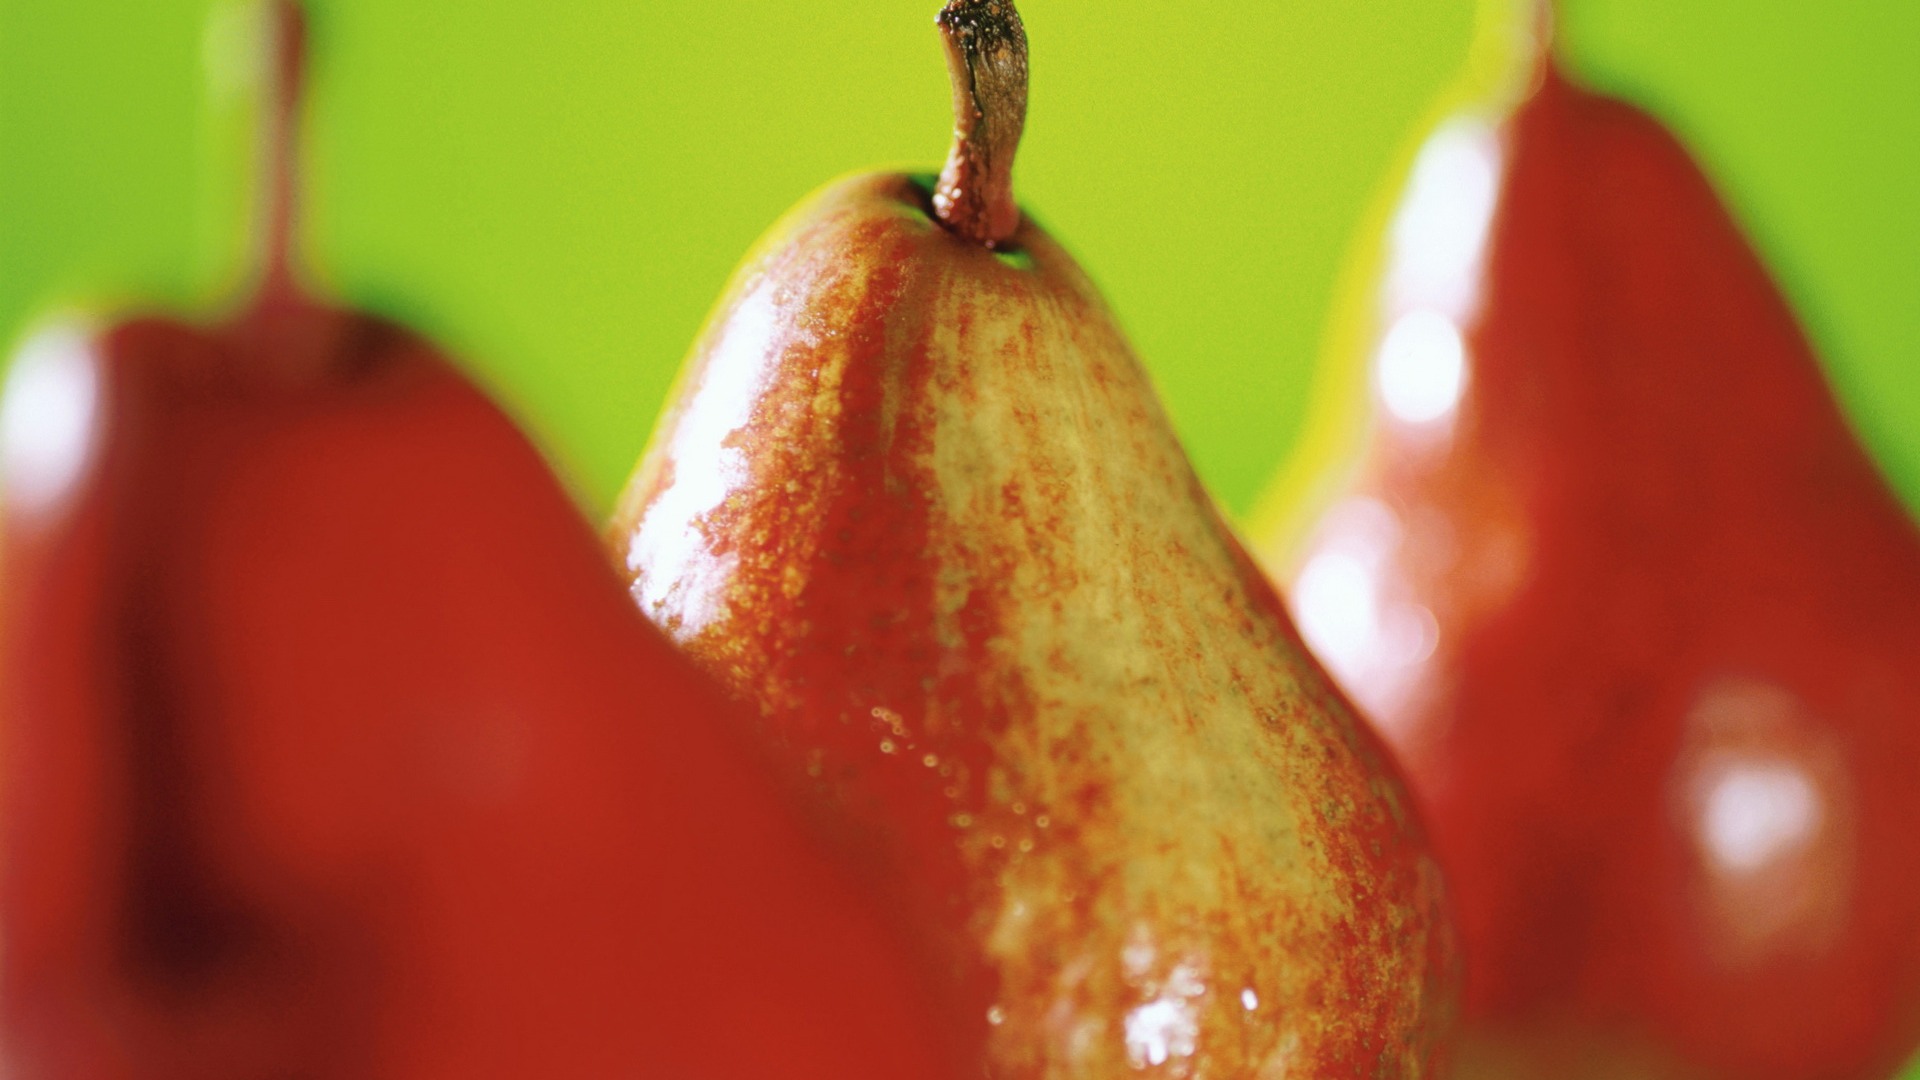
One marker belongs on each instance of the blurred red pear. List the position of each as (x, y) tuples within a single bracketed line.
[(334, 749), (1617, 580)]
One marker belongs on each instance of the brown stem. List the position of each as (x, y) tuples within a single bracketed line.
[(987, 60), (280, 135)]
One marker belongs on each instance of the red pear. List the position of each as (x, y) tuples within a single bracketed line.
[(1618, 582), (918, 502), (334, 749)]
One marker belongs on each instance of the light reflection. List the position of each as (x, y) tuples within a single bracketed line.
[(680, 580), (1349, 611), (1758, 812), (1764, 798), (1160, 1029), (1439, 235), (1408, 634), (1422, 367), (1754, 800), (48, 418), (1167, 1027), (1365, 528), (1333, 597)]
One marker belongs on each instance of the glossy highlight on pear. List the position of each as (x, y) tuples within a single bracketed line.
[(1614, 577)]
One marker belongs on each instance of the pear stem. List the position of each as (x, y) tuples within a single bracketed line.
[(279, 139), (987, 61)]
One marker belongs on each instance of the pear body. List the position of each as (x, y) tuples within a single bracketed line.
[(334, 749), (1638, 613), (917, 501)]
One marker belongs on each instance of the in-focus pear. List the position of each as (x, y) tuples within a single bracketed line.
[(918, 502)]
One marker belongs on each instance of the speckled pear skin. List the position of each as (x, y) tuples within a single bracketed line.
[(918, 501)]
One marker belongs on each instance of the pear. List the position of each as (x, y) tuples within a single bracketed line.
[(1611, 572), (917, 501), (334, 749)]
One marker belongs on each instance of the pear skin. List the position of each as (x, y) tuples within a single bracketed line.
[(915, 498)]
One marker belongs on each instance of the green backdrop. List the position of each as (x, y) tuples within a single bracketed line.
[(559, 190)]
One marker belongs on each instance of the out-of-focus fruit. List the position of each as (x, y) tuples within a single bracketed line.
[(334, 749), (1615, 578)]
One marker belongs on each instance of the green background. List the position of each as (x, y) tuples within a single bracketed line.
[(559, 190)]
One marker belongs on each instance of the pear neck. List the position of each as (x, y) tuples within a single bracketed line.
[(1511, 53), (279, 177), (986, 47)]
